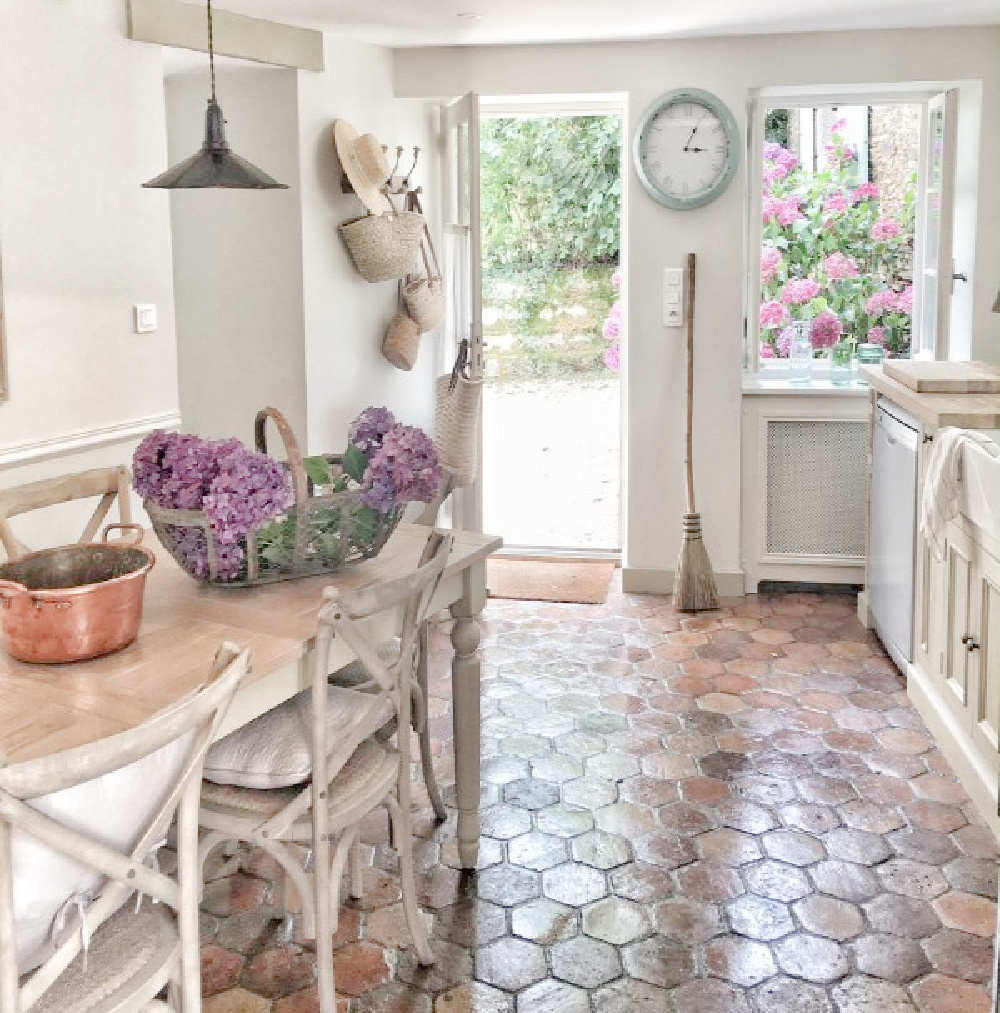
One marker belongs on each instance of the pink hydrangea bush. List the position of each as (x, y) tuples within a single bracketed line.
[(830, 255), (612, 328)]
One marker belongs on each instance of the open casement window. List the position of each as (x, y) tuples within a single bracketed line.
[(933, 268), (462, 265), (808, 117)]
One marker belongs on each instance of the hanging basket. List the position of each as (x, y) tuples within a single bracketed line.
[(321, 533), (383, 247)]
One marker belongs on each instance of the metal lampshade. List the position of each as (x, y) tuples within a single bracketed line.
[(215, 165)]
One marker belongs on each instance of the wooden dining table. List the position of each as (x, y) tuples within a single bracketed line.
[(48, 708)]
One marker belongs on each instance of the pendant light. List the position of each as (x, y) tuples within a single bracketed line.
[(215, 165)]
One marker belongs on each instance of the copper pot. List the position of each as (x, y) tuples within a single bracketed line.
[(75, 601)]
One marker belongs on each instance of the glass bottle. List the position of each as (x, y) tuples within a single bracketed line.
[(800, 353), (840, 363)]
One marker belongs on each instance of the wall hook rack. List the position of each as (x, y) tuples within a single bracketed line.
[(395, 185)]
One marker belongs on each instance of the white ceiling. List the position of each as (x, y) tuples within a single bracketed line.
[(482, 22)]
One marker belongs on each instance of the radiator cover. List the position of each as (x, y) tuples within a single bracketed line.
[(817, 488)]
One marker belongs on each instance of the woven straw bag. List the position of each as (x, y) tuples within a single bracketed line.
[(383, 247), (424, 295), (456, 419), (402, 339)]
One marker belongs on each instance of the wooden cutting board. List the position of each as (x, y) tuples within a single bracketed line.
[(945, 377)]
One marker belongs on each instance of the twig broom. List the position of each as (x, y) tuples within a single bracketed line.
[(694, 584)]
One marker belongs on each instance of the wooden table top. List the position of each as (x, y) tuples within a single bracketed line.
[(47, 708), (968, 411)]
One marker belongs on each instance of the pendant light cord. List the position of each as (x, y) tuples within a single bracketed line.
[(211, 53)]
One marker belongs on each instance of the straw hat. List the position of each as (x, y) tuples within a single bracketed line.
[(365, 163)]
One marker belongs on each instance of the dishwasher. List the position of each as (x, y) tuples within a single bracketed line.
[(893, 528)]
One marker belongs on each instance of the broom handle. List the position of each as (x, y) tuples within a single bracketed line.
[(689, 320)]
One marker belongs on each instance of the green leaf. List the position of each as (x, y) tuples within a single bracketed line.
[(354, 463), (318, 469)]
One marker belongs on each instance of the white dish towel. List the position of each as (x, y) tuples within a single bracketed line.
[(939, 503)]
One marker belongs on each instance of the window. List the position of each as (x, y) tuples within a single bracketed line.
[(847, 223)]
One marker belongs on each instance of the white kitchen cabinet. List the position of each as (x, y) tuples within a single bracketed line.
[(954, 679)]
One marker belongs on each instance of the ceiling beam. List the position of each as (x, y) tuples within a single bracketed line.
[(184, 26)]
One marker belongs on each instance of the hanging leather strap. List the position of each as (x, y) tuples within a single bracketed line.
[(413, 204)]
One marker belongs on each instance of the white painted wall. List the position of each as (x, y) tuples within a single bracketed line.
[(81, 127), (659, 238), (345, 316), (237, 258), (270, 308)]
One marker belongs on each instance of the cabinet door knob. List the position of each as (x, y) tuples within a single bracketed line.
[(966, 638), (972, 645)]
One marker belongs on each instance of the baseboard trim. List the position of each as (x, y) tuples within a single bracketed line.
[(647, 580), (85, 439)]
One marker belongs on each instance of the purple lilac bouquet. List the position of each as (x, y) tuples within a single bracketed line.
[(393, 464), (237, 489)]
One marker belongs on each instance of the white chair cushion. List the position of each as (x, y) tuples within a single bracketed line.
[(114, 809), (273, 750)]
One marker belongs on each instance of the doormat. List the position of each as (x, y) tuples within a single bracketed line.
[(585, 582)]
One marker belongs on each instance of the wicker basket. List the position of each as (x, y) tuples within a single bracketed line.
[(320, 534), (383, 246)]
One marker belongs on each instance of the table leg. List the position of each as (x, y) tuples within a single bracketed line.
[(465, 684)]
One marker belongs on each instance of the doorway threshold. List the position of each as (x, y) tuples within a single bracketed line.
[(560, 553)]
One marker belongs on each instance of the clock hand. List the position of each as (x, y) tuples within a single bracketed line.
[(693, 132)]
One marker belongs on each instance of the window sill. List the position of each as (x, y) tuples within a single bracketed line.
[(759, 384)]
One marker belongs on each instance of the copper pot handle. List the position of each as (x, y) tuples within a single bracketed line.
[(12, 589), (135, 529)]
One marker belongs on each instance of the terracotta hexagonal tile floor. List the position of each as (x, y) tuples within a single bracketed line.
[(733, 811)]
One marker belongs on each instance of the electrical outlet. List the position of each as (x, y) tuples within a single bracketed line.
[(673, 297)]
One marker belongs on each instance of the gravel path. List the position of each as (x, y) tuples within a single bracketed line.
[(552, 463)]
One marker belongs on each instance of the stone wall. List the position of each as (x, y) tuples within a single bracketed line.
[(894, 152)]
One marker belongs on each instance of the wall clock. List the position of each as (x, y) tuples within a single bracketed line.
[(686, 148)]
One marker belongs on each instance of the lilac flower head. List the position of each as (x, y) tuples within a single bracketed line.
[(836, 203), (784, 341), (616, 279), (876, 336), (773, 314), (799, 291), (766, 350), (770, 261), (611, 329), (825, 329), (883, 301), (904, 301), (883, 229), (612, 356), (404, 468), (866, 191), (368, 430), (839, 265)]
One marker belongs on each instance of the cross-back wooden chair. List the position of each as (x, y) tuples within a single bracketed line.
[(354, 675), (109, 484), (133, 953), (357, 770)]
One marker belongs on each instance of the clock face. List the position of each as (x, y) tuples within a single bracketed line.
[(686, 149)]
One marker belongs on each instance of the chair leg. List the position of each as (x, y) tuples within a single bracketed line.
[(357, 877), (404, 848), (426, 760)]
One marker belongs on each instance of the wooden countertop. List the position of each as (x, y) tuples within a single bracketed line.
[(967, 411), (46, 708)]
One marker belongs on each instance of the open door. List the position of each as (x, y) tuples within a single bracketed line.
[(935, 275), (462, 265)]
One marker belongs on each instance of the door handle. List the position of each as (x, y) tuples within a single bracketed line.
[(970, 643), (960, 276)]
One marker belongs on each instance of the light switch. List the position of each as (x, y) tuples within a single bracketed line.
[(144, 317), (673, 297)]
